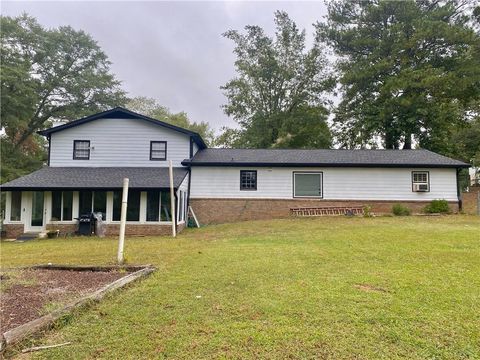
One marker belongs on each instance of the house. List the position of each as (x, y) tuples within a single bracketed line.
[(88, 159)]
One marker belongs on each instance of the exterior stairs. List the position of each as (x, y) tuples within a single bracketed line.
[(28, 236)]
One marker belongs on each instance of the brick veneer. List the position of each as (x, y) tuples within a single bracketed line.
[(12, 231), (214, 211), (140, 229)]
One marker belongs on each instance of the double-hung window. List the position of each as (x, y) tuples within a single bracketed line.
[(81, 149), (420, 181), (248, 179), (158, 150), (307, 184)]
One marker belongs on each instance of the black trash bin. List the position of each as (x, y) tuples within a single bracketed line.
[(86, 223)]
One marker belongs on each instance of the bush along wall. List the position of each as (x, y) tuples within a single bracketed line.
[(437, 207), (401, 210)]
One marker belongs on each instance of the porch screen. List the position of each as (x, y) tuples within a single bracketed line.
[(153, 205), (62, 202), (85, 202), (307, 184), (166, 213), (16, 207), (133, 205), (93, 201), (100, 203)]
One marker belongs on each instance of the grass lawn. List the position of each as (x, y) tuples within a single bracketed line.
[(333, 288)]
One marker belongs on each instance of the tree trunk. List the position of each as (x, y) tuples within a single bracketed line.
[(408, 142)]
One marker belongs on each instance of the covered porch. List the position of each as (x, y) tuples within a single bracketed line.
[(54, 198)]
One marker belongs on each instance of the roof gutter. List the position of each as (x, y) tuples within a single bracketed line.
[(361, 165)]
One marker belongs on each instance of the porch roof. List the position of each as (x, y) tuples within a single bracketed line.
[(106, 178)]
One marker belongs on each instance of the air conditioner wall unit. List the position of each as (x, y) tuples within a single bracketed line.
[(420, 187)]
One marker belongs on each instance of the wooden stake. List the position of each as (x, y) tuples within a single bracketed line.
[(172, 198), (194, 217), (37, 348), (123, 219)]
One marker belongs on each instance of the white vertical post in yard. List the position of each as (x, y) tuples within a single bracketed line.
[(123, 219), (172, 198)]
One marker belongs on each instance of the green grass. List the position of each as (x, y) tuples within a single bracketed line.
[(333, 288)]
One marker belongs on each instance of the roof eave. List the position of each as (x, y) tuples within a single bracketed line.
[(269, 164), (76, 188)]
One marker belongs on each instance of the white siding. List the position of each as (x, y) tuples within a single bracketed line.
[(195, 149), (118, 142), (184, 185), (338, 183)]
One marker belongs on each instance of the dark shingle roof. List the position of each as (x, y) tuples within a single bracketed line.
[(321, 157), (96, 178)]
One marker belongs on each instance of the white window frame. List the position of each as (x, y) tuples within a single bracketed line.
[(320, 173), (427, 173)]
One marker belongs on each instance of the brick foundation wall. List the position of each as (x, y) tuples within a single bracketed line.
[(140, 229), (12, 230), (64, 228), (180, 228), (215, 211)]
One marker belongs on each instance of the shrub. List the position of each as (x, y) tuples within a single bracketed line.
[(367, 211), (400, 210), (437, 206)]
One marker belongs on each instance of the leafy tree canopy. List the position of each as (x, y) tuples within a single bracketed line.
[(47, 75), (150, 107), (277, 97), (407, 70)]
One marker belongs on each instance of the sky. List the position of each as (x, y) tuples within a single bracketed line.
[(171, 51)]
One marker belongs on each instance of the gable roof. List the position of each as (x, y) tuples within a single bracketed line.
[(322, 157), (95, 178), (122, 113)]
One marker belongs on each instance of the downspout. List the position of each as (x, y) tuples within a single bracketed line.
[(49, 147), (459, 195), (188, 190), (189, 178)]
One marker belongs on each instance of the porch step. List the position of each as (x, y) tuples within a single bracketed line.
[(28, 236)]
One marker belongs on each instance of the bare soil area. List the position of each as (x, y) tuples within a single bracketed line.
[(30, 293)]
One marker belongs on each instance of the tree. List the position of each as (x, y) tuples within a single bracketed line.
[(409, 71), (47, 75), (150, 107), (279, 83)]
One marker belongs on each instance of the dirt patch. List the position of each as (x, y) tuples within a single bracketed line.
[(366, 287), (29, 294)]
